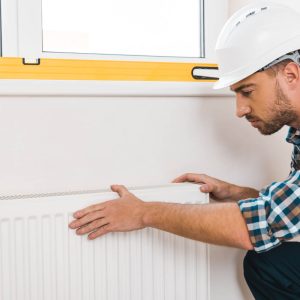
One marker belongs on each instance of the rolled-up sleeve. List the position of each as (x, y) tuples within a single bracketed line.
[(275, 215)]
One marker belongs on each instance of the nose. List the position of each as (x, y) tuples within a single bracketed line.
[(242, 107)]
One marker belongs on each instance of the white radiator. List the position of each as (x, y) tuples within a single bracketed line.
[(42, 259)]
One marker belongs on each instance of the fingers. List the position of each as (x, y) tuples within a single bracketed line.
[(191, 177), (95, 225), (81, 213), (208, 185), (90, 217), (182, 178), (99, 232)]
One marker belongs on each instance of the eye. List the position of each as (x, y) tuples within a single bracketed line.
[(246, 93)]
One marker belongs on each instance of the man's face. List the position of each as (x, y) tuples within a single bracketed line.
[(261, 100)]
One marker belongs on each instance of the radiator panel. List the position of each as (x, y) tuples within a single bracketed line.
[(42, 259)]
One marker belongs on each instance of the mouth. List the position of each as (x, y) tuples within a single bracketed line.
[(254, 123)]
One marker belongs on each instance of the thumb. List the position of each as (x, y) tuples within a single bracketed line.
[(120, 189), (207, 188)]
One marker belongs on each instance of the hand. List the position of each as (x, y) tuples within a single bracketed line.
[(123, 214), (219, 190)]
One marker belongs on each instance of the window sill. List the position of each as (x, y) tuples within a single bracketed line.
[(79, 88)]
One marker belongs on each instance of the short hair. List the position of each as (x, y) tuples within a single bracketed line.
[(274, 69), (279, 63)]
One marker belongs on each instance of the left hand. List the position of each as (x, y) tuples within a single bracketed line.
[(122, 214)]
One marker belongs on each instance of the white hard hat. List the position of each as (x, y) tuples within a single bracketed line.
[(253, 37)]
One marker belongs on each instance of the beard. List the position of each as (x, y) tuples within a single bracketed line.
[(282, 113)]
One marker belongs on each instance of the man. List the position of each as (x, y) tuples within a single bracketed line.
[(259, 58)]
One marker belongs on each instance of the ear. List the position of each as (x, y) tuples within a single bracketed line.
[(291, 74)]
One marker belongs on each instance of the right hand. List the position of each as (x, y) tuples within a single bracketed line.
[(219, 190), (119, 215)]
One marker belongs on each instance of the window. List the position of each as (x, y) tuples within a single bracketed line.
[(112, 41), (171, 28)]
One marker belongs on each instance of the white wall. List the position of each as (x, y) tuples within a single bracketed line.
[(54, 144)]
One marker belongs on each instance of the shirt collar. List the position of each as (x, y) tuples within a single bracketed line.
[(293, 136)]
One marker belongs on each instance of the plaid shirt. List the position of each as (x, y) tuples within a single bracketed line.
[(275, 215)]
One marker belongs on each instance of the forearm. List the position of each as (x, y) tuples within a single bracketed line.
[(219, 223), (240, 192)]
